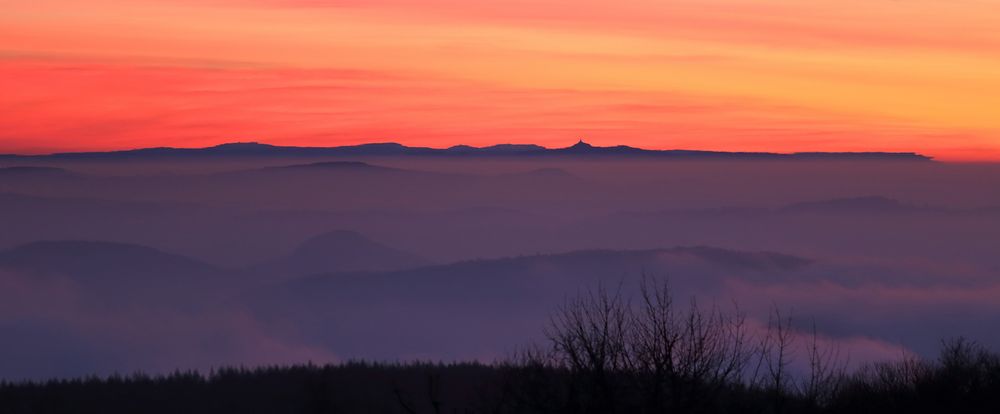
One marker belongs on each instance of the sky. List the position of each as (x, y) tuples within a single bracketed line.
[(732, 75)]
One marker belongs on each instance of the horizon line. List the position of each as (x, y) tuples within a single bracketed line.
[(581, 143)]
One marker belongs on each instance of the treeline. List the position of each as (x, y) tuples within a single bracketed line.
[(353, 387), (609, 354), (604, 353)]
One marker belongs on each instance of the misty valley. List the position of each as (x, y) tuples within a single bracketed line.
[(436, 282)]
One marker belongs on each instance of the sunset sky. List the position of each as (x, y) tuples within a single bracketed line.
[(746, 75)]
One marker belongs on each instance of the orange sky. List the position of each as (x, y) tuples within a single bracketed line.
[(746, 75)]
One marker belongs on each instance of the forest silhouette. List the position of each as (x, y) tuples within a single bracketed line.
[(604, 352)]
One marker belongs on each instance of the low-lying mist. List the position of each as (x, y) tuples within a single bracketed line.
[(121, 266)]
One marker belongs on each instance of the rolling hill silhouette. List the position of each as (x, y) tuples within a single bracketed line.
[(340, 251), (466, 307), (120, 274), (92, 260)]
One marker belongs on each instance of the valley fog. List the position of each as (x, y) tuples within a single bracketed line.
[(161, 264)]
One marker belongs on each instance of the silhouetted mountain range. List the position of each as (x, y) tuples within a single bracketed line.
[(580, 149)]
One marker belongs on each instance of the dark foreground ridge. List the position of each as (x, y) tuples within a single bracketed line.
[(604, 354), (579, 150), (965, 379)]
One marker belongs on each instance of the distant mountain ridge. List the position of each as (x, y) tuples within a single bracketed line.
[(580, 149), (340, 251)]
